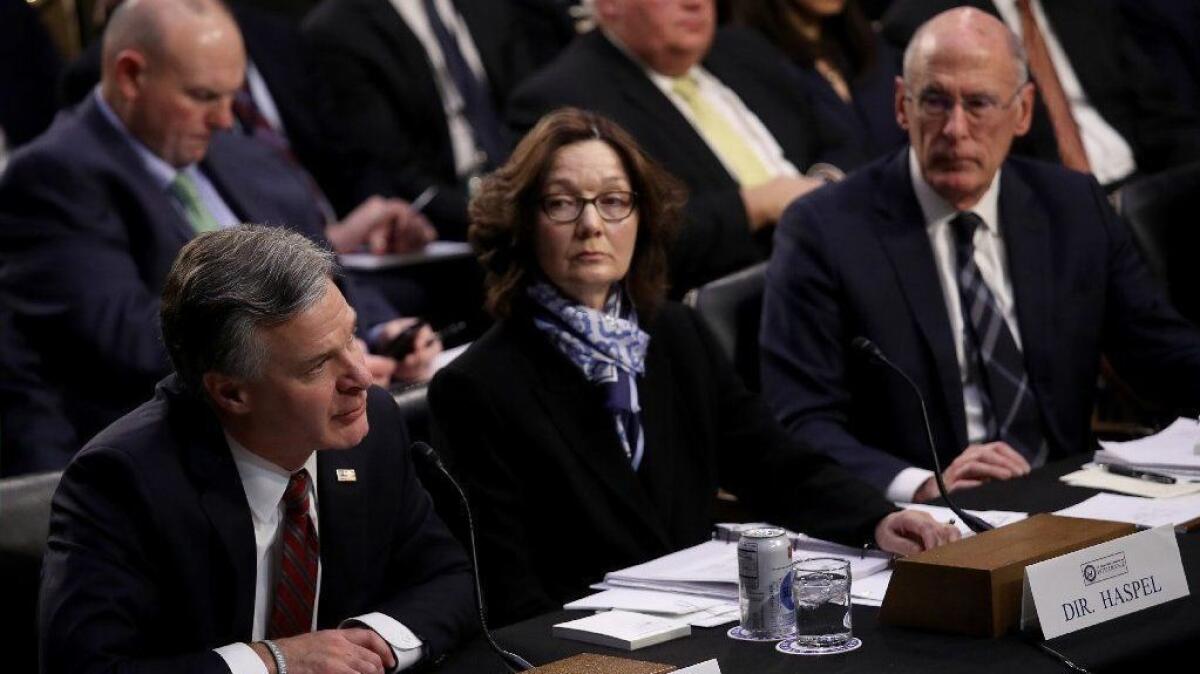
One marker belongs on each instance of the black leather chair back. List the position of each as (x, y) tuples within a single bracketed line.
[(731, 307), (24, 523), (1162, 212)]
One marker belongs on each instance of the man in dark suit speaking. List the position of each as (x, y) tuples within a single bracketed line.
[(264, 492), (996, 283)]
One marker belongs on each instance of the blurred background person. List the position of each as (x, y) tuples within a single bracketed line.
[(596, 417), (835, 46)]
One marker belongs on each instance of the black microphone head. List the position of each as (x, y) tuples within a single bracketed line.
[(866, 346), (428, 453)]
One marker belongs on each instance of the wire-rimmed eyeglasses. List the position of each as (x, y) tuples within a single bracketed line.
[(936, 105)]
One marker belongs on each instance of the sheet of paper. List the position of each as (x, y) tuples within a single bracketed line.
[(996, 518), (1095, 478), (437, 250), (1175, 445), (706, 667), (713, 617), (870, 591), (1136, 510), (649, 601)]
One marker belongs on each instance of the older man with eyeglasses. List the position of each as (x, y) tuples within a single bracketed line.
[(996, 283)]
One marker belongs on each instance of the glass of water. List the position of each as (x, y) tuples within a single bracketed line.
[(821, 590)]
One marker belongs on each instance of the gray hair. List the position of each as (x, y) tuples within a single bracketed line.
[(225, 285), (1015, 47)]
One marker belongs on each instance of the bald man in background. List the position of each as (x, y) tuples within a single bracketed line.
[(996, 283), (94, 211)]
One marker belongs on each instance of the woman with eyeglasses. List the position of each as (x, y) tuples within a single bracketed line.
[(594, 423)]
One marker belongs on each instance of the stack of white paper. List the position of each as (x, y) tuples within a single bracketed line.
[(622, 629), (1135, 510), (1172, 450), (693, 609)]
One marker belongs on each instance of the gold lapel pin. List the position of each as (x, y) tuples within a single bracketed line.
[(346, 475)]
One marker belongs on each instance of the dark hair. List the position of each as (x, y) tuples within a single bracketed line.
[(225, 285), (505, 209), (846, 39)]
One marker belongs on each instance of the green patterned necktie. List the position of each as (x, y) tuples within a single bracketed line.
[(183, 188)]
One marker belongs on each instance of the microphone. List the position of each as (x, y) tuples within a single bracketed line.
[(875, 355), (515, 662)]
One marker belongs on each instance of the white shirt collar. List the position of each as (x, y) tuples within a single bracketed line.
[(660, 80), (938, 211), (265, 482), (162, 172)]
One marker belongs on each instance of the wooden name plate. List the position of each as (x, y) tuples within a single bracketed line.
[(973, 586), (590, 663)]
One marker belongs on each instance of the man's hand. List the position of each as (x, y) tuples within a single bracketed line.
[(765, 203), (417, 365), (383, 226), (977, 464), (910, 531), (347, 651)]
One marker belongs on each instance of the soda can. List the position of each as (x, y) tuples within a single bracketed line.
[(765, 584)]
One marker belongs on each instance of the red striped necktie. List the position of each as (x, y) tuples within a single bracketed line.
[(296, 584)]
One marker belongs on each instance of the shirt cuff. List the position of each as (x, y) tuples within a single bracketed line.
[(906, 483), (241, 659), (406, 647)]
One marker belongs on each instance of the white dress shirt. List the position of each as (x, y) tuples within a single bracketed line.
[(727, 103), (1110, 156), (468, 157), (264, 483), (991, 258)]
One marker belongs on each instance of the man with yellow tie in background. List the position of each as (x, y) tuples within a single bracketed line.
[(720, 109)]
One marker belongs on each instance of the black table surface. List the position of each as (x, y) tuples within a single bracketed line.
[(1154, 637)]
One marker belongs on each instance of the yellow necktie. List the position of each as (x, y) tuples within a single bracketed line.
[(747, 168)]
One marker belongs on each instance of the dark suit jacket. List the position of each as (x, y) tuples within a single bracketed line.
[(274, 47), (595, 75), (1116, 75), (388, 117), (29, 64), (855, 259), (151, 555), (86, 241), (557, 502)]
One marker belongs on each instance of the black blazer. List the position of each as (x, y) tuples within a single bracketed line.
[(855, 259), (387, 115), (150, 560), (557, 501), (595, 75), (1118, 78)]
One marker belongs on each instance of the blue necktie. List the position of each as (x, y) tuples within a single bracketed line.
[(477, 100), (1009, 408)]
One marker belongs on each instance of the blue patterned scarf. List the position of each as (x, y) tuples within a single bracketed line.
[(607, 346)]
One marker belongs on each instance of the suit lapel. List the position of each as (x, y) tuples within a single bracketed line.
[(1026, 231), (578, 413), (223, 500), (414, 71), (159, 210), (342, 509), (906, 243), (678, 137), (658, 424)]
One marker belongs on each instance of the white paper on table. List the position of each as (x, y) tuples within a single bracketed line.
[(436, 250), (706, 667), (1137, 510), (996, 518), (648, 601), (713, 617), (1175, 445), (1098, 478), (870, 591)]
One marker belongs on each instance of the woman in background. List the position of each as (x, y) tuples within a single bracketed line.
[(593, 424), (833, 44)]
